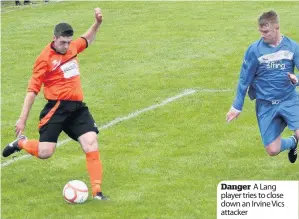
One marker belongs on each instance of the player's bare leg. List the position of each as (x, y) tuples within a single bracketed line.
[(280, 144), (274, 147)]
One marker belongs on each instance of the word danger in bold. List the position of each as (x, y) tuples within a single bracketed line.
[(239, 188)]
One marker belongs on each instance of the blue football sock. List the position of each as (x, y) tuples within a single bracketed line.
[(287, 143)]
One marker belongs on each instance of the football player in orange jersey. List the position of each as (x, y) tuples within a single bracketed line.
[(57, 69)]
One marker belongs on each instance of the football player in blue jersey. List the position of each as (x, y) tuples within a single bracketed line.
[(268, 74)]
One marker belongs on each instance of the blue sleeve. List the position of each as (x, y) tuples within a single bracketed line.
[(247, 74), (296, 56), (296, 59)]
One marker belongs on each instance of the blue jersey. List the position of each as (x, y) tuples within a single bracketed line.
[(265, 72)]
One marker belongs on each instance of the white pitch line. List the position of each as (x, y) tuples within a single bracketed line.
[(129, 116), (138, 112)]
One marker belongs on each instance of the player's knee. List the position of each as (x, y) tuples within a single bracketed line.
[(44, 155), (91, 144), (272, 151), (45, 152)]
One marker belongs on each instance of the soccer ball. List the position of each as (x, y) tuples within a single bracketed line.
[(75, 191)]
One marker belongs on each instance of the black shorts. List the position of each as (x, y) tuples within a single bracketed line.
[(72, 117)]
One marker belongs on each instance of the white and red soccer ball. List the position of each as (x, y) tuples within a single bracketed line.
[(75, 191)]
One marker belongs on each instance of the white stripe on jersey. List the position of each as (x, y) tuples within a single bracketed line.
[(280, 55)]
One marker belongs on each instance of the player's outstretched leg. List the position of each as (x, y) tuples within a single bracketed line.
[(293, 152), (13, 146)]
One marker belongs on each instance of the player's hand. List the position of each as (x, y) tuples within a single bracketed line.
[(293, 78), (98, 15), (232, 114), (20, 126)]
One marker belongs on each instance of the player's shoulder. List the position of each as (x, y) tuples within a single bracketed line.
[(45, 53), (288, 40), (253, 47), (80, 42), (291, 44), (256, 44)]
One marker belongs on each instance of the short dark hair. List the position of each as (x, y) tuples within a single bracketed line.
[(268, 17), (63, 29)]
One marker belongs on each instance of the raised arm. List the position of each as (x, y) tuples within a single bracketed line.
[(91, 33)]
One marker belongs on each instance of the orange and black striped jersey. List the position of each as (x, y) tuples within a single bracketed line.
[(59, 73)]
